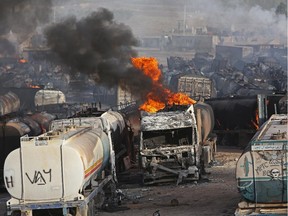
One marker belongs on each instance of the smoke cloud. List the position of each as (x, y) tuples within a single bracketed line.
[(99, 47), (238, 16), (6, 48), (155, 17), (21, 18)]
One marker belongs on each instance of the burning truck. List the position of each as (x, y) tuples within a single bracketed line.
[(177, 145), (176, 142)]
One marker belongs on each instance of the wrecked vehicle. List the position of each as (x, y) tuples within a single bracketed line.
[(176, 143)]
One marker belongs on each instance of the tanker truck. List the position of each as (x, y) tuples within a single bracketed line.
[(66, 171), (176, 143), (261, 170)]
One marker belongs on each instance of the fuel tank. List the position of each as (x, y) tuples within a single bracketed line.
[(43, 119), (35, 128), (10, 133), (9, 103), (58, 164), (261, 170), (48, 97), (207, 119), (116, 123)]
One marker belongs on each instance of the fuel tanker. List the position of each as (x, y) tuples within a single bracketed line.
[(261, 170), (65, 168), (177, 143)]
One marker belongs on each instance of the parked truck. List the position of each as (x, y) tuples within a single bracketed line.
[(69, 170), (261, 171), (176, 143)]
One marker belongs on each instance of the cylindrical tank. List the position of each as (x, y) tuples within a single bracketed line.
[(207, 119), (116, 122), (9, 103), (48, 97), (43, 119), (261, 170), (63, 163), (120, 139), (241, 109), (10, 133), (35, 128)]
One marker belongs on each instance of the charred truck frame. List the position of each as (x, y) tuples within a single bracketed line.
[(176, 145)]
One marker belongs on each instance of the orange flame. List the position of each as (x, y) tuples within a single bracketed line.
[(23, 61), (160, 96), (256, 122), (33, 86)]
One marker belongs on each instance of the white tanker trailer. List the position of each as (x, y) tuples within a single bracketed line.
[(65, 168)]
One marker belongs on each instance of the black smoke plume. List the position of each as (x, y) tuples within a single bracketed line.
[(99, 47), (6, 48), (22, 17)]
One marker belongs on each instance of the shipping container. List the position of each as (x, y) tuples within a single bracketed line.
[(195, 87)]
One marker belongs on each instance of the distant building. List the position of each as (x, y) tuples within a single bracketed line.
[(232, 53)]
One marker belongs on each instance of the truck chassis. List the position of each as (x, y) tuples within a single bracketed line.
[(84, 207)]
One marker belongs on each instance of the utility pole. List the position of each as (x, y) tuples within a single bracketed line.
[(184, 20)]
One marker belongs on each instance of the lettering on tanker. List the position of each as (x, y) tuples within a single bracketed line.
[(40, 178), (9, 181), (275, 162), (262, 167)]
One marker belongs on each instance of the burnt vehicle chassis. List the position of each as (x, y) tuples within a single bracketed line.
[(171, 149)]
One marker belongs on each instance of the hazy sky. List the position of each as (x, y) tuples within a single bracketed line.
[(155, 17)]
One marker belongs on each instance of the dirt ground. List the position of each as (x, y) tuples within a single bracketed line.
[(217, 195)]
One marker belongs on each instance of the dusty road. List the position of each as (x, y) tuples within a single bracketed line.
[(215, 196)]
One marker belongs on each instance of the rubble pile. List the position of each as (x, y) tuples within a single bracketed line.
[(48, 74), (246, 77), (265, 77), (17, 73)]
